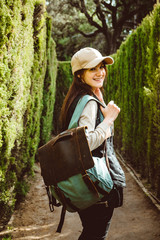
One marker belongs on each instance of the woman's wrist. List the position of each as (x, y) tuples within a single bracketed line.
[(108, 122)]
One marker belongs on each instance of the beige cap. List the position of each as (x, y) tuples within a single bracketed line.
[(88, 58)]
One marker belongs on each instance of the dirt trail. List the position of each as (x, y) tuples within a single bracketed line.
[(138, 219)]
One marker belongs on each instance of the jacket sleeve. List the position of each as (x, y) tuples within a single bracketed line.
[(95, 136)]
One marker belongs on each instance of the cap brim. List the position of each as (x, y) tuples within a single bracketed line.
[(108, 60)]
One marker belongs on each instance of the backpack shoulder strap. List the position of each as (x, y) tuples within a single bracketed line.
[(79, 109)]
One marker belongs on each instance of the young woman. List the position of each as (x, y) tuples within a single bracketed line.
[(89, 70)]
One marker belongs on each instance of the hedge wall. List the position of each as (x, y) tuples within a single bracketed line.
[(63, 81), (27, 56), (133, 83), (49, 88)]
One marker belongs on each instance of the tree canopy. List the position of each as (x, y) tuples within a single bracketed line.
[(102, 22)]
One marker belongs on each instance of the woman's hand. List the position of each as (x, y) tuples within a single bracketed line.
[(110, 112)]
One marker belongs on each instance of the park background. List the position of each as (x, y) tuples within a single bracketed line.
[(35, 75)]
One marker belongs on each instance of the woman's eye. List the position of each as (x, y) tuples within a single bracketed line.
[(95, 68)]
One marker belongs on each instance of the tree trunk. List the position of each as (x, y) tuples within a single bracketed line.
[(108, 44)]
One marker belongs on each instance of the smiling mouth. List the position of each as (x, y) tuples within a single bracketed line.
[(98, 79)]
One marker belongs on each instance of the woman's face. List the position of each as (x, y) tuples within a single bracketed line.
[(94, 77)]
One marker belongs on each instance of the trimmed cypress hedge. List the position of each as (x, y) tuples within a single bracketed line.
[(27, 93), (133, 83), (49, 88), (63, 82)]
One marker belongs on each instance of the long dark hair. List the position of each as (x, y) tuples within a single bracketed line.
[(77, 88)]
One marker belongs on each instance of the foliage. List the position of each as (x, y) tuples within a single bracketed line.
[(64, 79), (97, 23), (49, 87), (23, 60), (134, 84), (7, 237)]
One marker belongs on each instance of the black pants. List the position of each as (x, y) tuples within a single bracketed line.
[(95, 221)]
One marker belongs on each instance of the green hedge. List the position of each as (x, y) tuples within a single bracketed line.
[(27, 55), (133, 83), (63, 81), (49, 88)]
